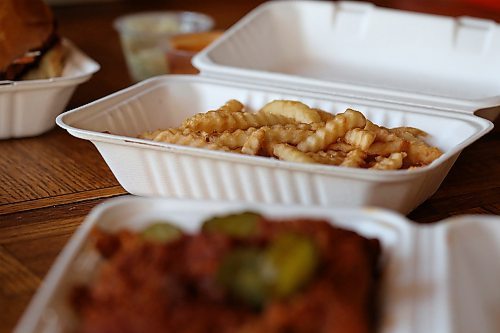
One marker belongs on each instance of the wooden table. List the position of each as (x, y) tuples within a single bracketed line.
[(49, 183)]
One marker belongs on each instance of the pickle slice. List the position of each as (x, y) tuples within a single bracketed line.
[(241, 273), (236, 225), (291, 260), (161, 232)]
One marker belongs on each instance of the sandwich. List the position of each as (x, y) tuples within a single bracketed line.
[(30, 47)]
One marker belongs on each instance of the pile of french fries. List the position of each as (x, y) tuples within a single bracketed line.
[(292, 131)]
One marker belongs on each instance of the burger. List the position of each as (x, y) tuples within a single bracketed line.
[(30, 47)]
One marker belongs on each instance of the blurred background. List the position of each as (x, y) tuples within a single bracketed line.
[(484, 3), (79, 19)]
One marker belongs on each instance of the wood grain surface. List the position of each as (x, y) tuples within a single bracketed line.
[(49, 183)]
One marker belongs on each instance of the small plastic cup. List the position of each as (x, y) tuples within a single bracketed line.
[(144, 35), (183, 47)]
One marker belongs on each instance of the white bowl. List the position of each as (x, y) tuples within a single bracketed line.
[(29, 108)]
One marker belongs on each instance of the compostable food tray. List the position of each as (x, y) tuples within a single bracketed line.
[(29, 108), (151, 168), (435, 278), (355, 48)]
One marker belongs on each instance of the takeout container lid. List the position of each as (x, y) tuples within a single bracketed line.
[(29, 108), (435, 278), (361, 50), (149, 168)]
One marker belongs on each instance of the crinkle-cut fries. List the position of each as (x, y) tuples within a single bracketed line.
[(292, 131)]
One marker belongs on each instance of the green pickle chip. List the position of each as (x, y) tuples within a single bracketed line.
[(256, 275), (236, 225), (161, 232), (240, 272), (291, 259)]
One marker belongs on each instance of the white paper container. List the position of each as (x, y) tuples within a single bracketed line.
[(473, 246), (150, 168), (435, 278), (29, 108), (358, 49)]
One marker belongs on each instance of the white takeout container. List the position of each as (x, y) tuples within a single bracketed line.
[(149, 168), (29, 108), (435, 278), (322, 38), (358, 49)]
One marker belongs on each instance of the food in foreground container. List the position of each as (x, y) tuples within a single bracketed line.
[(292, 131), (240, 273), (30, 47)]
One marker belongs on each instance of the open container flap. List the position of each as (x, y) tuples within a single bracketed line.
[(473, 266), (457, 266), (358, 49)]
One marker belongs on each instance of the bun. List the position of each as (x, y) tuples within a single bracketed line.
[(50, 65), (25, 26)]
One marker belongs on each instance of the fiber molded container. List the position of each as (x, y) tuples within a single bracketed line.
[(29, 108), (435, 278), (358, 49), (398, 68), (149, 168)]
